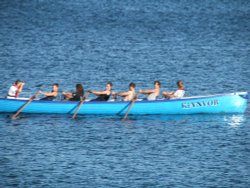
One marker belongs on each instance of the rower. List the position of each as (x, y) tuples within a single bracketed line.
[(75, 96), (50, 96), (152, 93), (15, 89), (129, 95), (179, 93), (103, 95)]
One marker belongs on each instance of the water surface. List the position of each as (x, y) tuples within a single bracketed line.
[(206, 44)]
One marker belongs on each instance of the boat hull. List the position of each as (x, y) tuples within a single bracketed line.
[(226, 103)]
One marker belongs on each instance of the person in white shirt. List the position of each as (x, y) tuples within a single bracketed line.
[(15, 89), (179, 93), (129, 95), (152, 93)]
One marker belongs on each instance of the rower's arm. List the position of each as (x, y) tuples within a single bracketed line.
[(123, 94), (20, 89), (100, 92), (48, 94), (149, 91)]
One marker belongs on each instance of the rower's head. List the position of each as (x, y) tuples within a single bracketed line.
[(55, 87), (132, 86), (157, 84), (18, 83), (109, 86), (79, 89), (180, 84)]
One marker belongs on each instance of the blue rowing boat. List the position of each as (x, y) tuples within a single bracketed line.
[(221, 103)]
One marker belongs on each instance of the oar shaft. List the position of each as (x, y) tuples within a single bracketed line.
[(28, 102), (129, 108), (79, 106)]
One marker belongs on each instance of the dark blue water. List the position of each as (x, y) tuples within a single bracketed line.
[(204, 43)]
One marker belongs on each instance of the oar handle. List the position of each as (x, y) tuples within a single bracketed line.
[(21, 109)]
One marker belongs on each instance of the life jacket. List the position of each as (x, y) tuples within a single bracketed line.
[(17, 92)]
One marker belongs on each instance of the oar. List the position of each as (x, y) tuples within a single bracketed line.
[(21, 109), (79, 105), (129, 108)]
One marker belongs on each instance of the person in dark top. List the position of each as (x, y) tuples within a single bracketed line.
[(75, 96), (50, 96), (103, 95)]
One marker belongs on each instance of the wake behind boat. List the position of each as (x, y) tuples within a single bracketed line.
[(221, 103)]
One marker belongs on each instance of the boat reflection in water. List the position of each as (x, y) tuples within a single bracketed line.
[(235, 120)]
